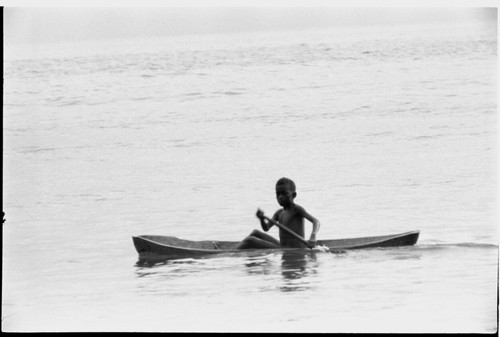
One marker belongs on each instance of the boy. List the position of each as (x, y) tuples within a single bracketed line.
[(291, 216)]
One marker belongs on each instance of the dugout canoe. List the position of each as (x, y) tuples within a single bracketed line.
[(157, 246)]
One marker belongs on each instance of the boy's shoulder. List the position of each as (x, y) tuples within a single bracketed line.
[(299, 208)]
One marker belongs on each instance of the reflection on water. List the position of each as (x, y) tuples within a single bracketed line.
[(275, 271), (296, 267), (290, 270), (148, 263)]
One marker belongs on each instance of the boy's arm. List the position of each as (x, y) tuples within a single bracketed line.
[(315, 222)]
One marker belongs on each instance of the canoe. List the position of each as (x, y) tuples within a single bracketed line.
[(157, 246)]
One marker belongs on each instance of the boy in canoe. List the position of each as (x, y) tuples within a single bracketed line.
[(291, 216)]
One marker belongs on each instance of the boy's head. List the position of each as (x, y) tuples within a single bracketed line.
[(285, 191), (286, 183)]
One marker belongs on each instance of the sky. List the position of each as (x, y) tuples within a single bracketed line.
[(27, 25)]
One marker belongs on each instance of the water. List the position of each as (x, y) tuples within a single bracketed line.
[(384, 130)]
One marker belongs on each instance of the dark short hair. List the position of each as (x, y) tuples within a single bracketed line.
[(286, 182)]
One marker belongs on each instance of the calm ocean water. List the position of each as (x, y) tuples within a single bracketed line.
[(384, 130)]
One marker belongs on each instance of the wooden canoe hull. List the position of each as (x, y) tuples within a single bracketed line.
[(157, 246)]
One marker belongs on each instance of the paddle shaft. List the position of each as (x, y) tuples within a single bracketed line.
[(297, 236)]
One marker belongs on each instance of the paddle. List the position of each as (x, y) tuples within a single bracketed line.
[(297, 236)]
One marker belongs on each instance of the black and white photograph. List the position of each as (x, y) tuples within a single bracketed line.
[(250, 167)]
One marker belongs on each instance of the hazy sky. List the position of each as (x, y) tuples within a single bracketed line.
[(32, 25)]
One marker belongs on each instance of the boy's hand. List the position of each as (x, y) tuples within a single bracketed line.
[(312, 240), (263, 223), (260, 214)]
